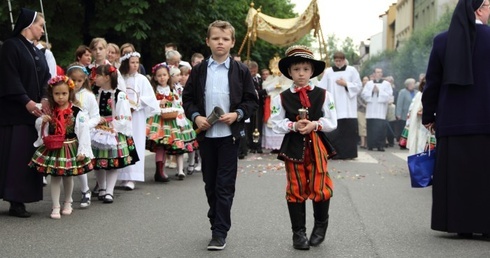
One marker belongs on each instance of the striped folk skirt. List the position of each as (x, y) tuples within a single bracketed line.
[(176, 137), (61, 162)]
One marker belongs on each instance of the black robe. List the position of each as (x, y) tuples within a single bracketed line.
[(24, 75)]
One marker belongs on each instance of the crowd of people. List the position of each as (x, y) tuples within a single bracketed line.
[(105, 110)]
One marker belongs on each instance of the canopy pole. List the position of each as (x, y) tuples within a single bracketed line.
[(11, 17), (45, 28)]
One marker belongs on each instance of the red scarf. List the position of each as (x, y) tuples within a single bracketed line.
[(303, 96), (59, 119)]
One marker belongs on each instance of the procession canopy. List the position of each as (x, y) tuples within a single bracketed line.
[(282, 32)]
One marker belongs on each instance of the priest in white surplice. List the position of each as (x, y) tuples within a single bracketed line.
[(377, 93), (344, 83)]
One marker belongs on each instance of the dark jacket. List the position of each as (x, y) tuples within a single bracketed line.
[(243, 95), (24, 75), (456, 109)]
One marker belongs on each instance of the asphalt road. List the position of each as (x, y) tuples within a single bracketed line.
[(374, 213)]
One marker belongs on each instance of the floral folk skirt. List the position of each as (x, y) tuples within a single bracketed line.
[(114, 157), (176, 138)]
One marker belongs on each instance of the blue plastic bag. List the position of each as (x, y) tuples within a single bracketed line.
[(421, 167)]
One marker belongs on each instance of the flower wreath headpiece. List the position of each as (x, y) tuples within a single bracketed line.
[(129, 55), (155, 68), (61, 78)]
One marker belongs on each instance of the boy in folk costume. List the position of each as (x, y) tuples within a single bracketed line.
[(304, 113)]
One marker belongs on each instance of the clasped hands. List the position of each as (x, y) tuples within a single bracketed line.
[(305, 126)]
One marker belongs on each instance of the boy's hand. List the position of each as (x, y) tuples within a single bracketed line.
[(202, 123), (229, 118), (304, 126)]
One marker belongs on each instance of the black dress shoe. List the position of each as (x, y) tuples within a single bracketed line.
[(274, 151), (381, 149), (241, 156), (465, 235), (19, 210)]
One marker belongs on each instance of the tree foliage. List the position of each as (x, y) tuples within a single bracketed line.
[(147, 24), (347, 46), (412, 58)]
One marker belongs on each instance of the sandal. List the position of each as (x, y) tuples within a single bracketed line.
[(101, 194), (108, 198), (55, 213), (190, 170), (67, 209), (85, 202)]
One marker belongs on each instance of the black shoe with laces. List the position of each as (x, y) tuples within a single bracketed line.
[(217, 243)]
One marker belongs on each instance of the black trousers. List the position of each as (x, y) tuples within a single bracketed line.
[(219, 171)]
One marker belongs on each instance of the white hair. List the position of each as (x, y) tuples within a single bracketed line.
[(171, 54)]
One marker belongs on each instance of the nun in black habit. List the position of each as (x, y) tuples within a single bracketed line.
[(24, 75), (456, 103)]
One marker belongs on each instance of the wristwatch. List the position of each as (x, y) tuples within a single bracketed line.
[(239, 116)]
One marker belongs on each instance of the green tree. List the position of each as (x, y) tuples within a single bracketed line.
[(148, 24), (347, 46), (410, 59)]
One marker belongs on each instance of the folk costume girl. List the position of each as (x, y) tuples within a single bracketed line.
[(303, 113), (174, 135), (176, 81), (143, 105), (72, 157), (112, 143), (83, 94)]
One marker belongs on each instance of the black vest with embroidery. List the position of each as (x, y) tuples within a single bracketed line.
[(105, 107), (294, 143)]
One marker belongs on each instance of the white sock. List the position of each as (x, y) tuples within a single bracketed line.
[(191, 156), (180, 163), (68, 187), (111, 178), (100, 175), (56, 190), (83, 183)]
